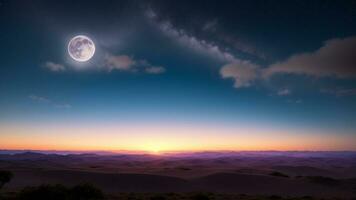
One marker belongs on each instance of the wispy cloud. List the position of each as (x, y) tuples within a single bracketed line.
[(45, 100), (210, 25), (243, 73), (339, 92), (155, 70), (128, 63), (119, 62), (39, 99), (284, 92), (116, 62), (55, 67), (335, 59)]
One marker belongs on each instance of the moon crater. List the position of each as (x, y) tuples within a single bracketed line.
[(81, 48)]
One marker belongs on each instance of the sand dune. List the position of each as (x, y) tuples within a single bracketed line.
[(220, 182), (226, 173)]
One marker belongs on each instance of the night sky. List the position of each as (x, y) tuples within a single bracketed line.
[(179, 75)]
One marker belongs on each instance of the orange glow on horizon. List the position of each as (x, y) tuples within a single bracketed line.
[(157, 139)]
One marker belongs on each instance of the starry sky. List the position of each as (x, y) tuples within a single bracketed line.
[(179, 75)]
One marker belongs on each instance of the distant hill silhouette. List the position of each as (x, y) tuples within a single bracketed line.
[(252, 173)]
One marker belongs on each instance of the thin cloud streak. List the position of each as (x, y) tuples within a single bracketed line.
[(339, 92), (284, 92), (44, 100), (128, 63), (155, 70), (54, 67), (39, 99)]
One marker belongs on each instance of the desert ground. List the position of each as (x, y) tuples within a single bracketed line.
[(284, 174)]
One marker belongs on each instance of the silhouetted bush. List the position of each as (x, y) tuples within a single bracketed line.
[(60, 192), (158, 197), (307, 197), (279, 174), (323, 180), (184, 168), (86, 191), (274, 197), (132, 198), (200, 197), (43, 192), (5, 177)]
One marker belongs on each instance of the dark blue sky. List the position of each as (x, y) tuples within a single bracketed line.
[(281, 70)]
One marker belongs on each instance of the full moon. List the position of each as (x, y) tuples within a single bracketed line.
[(81, 48)]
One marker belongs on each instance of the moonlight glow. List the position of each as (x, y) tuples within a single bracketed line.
[(81, 48)]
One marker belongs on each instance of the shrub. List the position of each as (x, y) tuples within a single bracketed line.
[(5, 177), (86, 192), (60, 192), (158, 197), (275, 197), (323, 180), (184, 168), (200, 197), (44, 192), (279, 174)]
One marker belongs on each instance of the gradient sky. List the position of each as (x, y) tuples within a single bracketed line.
[(179, 75)]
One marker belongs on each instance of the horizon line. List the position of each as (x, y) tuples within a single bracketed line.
[(172, 151)]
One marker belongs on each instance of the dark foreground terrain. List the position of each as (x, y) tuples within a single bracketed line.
[(207, 175)]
